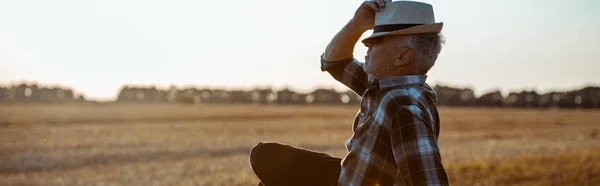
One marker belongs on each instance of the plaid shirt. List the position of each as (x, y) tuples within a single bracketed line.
[(396, 131)]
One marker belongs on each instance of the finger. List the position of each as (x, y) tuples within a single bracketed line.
[(373, 6)]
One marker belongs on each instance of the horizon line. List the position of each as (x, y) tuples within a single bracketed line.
[(277, 87)]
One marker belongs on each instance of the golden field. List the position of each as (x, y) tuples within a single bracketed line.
[(139, 144)]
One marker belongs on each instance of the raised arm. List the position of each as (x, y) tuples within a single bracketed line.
[(342, 44), (337, 58)]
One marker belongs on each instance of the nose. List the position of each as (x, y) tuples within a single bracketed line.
[(369, 50)]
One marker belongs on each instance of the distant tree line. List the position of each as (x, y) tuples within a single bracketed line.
[(588, 97), (136, 94), (31, 92)]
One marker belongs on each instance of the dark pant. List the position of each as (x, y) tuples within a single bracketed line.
[(278, 164)]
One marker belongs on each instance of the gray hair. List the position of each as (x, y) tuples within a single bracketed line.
[(427, 47)]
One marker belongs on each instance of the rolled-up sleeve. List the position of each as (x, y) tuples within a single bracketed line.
[(348, 71)]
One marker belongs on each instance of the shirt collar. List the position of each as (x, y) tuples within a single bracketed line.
[(394, 81)]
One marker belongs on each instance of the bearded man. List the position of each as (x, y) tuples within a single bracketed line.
[(396, 131)]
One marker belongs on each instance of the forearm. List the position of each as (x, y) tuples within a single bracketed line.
[(342, 44)]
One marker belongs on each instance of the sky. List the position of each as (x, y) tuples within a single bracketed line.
[(95, 47)]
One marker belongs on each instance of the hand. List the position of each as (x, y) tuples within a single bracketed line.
[(364, 17)]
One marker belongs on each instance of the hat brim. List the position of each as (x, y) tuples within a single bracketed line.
[(429, 28)]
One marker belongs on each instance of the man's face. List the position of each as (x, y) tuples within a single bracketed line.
[(381, 55)]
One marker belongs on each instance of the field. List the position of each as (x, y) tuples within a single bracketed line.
[(137, 144)]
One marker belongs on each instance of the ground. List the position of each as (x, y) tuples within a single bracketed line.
[(153, 144)]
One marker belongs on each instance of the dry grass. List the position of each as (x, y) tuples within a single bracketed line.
[(118, 144), (578, 167)]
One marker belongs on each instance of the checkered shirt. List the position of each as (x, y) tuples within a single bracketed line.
[(396, 131)]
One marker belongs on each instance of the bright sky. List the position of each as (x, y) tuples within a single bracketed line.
[(97, 46)]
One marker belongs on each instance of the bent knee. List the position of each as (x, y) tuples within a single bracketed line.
[(259, 151), (260, 154)]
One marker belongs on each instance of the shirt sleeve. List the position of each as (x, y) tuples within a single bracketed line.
[(348, 71), (415, 148)]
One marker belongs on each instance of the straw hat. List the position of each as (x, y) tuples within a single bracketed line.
[(403, 18)]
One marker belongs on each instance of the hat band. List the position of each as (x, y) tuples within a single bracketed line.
[(394, 27)]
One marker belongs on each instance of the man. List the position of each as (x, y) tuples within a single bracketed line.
[(396, 131)]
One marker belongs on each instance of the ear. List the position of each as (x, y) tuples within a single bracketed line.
[(405, 56)]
